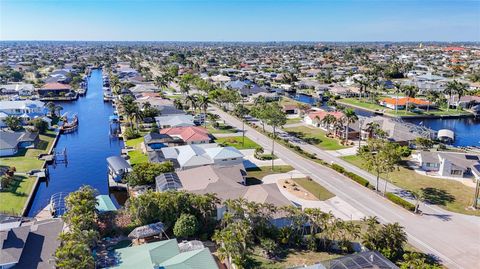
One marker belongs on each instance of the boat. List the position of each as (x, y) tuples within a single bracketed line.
[(107, 97), (69, 127)]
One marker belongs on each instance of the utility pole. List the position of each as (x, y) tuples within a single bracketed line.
[(477, 190)]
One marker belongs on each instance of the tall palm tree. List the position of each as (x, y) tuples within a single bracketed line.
[(192, 101), (450, 90), (349, 117), (410, 92), (329, 120), (397, 88), (203, 102)]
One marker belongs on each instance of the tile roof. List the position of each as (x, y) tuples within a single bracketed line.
[(403, 101), (188, 133), (55, 86)]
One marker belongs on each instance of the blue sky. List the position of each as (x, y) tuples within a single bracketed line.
[(247, 20)]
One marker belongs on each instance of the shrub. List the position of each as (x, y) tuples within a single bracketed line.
[(360, 180), (131, 133), (400, 201), (338, 168), (186, 226)]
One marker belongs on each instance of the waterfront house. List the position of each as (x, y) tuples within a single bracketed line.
[(30, 246), (190, 156), (25, 109), (20, 89), (447, 164), (227, 182), (166, 254), (178, 120), (395, 131), (188, 134), (118, 168), (164, 106), (314, 118), (156, 141), (12, 142), (402, 102), (55, 90), (290, 109)]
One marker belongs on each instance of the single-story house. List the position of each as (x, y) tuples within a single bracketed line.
[(314, 118), (30, 246), (402, 102), (227, 182), (165, 254), (448, 164), (190, 156), (395, 131), (164, 106), (174, 121), (11, 142), (290, 109), (25, 109), (188, 134), (20, 89)]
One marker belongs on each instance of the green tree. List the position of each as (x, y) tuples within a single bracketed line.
[(13, 123), (74, 255), (349, 117), (186, 226), (276, 118), (40, 125), (415, 260), (145, 173), (234, 243)]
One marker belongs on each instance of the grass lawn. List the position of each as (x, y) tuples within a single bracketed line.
[(26, 159), (314, 188), (448, 194), (293, 120), (316, 137), (376, 107), (255, 175), (290, 258), (174, 96), (13, 198), (236, 142), (221, 129), (136, 155)]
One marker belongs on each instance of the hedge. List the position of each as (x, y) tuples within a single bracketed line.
[(400, 201), (360, 180)]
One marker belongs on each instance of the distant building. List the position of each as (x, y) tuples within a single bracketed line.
[(53, 90), (27, 110), (402, 102), (174, 121), (20, 89)]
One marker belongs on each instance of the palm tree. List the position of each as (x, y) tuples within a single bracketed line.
[(328, 121), (461, 90), (192, 101), (349, 117), (410, 92), (14, 123), (178, 104), (397, 89), (450, 90), (203, 102)]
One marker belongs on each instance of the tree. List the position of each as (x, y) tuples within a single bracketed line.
[(14, 123), (40, 125), (380, 157), (186, 226), (328, 121), (241, 111), (145, 173), (203, 102), (415, 260), (276, 118), (234, 243), (349, 117), (74, 255), (389, 239), (410, 92)]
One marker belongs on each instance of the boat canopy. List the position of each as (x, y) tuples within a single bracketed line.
[(118, 164)]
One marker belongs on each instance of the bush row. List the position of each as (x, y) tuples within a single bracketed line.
[(400, 201), (360, 180)]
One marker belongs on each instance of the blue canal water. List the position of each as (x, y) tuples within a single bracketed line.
[(87, 148), (467, 130)]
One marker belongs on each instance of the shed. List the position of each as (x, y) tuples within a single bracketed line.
[(105, 204)]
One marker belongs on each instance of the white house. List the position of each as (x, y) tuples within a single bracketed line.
[(25, 109), (447, 164)]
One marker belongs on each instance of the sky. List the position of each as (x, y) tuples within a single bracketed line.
[(237, 20)]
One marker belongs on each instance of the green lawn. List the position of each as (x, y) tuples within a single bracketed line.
[(289, 258), (221, 129), (316, 137), (376, 107), (293, 120), (236, 142), (255, 175), (448, 194), (27, 159), (13, 198), (314, 188), (136, 155)]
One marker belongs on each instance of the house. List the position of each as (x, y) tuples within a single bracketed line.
[(448, 164), (290, 109), (188, 134), (118, 167), (11, 142), (314, 118), (26, 109), (190, 156), (165, 254), (164, 106), (402, 102), (54, 90), (20, 89), (156, 141), (467, 101), (174, 121), (359, 260), (31, 245), (395, 131), (227, 182)]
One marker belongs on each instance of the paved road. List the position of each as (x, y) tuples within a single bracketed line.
[(453, 238)]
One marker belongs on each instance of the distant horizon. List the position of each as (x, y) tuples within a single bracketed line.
[(241, 20), (246, 41)]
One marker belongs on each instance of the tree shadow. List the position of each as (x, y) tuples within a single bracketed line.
[(437, 196), (14, 185)]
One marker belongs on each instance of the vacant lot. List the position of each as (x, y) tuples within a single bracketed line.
[(315, 136), (314, 188), (448, 194), (136, 155), (14, 197), (255, 175), (237, 142)]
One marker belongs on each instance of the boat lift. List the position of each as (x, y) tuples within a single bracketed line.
[(60, 157)]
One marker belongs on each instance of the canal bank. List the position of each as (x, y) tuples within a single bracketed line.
[(87, 148)]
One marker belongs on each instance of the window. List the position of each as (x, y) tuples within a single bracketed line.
[(456, 172)]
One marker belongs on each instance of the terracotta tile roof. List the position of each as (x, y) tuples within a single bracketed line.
[(403, 101), (55, 86), (322, 114), (188, 134)]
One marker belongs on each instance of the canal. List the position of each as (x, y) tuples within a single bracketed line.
[(87, 148), (467, 130)]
